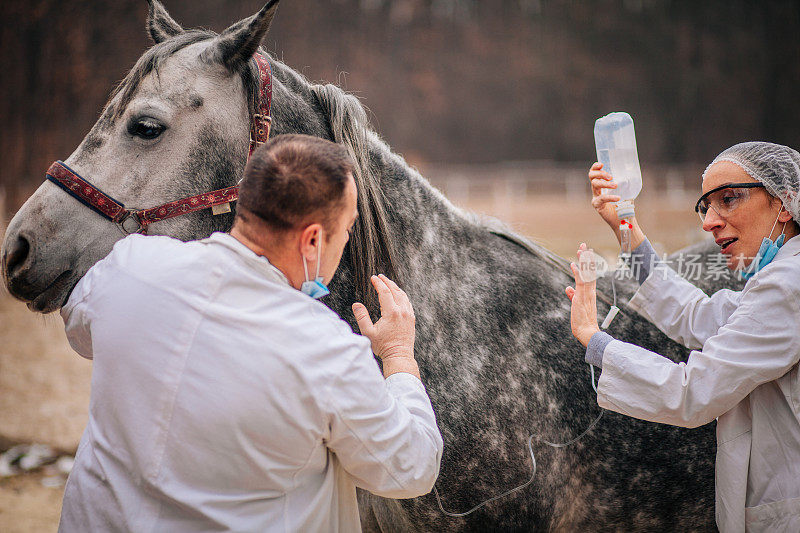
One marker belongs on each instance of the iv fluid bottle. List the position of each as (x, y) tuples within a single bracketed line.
[(615, 141)]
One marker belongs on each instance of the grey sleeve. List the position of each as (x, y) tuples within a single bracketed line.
[(596, 347), (643, 259)]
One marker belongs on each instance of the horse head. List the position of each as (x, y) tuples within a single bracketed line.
[(176, 126)]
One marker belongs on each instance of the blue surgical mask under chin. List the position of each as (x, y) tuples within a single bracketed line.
[(766, 253), (316, 288)]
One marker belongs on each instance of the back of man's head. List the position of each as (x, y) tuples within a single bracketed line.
[(293, 181)]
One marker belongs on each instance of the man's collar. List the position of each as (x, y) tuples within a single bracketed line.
[(258, 262)]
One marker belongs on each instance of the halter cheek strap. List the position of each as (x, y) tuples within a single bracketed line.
[(262, 120), (136, 220)]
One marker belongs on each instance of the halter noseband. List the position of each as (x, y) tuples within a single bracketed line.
[(136, 220)]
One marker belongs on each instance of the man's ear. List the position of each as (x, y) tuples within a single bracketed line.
[(310, 241)]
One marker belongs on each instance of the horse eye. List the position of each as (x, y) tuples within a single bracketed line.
[(146, 129)]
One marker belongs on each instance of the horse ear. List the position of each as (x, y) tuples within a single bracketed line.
[(238, 43), (160, 25)]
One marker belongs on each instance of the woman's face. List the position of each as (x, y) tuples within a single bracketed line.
[(739, 234)]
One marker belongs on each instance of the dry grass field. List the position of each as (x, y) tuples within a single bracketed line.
[(44, 386)]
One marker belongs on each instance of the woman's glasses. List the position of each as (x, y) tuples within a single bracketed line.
[(724, 199)]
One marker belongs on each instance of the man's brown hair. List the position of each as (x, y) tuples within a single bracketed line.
[(295, 180)]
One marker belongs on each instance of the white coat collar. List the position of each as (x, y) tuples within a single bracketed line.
[(789, 248), (258, 262)]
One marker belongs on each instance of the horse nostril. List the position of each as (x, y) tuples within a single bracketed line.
[(16, 256)]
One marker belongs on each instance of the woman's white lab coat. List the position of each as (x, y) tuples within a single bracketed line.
[(746, 376)]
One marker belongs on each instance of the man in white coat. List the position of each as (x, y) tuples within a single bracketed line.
[(743, 369), (224, 396)]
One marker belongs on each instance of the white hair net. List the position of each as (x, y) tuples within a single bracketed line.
[(774, 165)]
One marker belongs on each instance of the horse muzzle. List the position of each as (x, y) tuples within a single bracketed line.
[(43, 290)]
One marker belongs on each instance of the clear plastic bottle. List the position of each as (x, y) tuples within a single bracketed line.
[(615, 141)]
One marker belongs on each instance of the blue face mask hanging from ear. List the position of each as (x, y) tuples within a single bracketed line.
[(316, 288), (766, 252)]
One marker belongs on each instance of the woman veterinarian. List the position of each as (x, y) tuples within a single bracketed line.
[(743, 369)]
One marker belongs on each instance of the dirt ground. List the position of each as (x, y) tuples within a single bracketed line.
[(27, 506), (44, 385), (44, 398)]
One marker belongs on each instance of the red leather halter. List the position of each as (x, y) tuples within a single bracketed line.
[(137, 220)]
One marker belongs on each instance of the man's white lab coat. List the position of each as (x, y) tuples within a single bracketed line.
[(224, 399), (746, 375)]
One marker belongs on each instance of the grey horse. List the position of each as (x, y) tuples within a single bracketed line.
[(494, 342)]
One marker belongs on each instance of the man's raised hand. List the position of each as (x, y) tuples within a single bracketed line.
[(393, 335)]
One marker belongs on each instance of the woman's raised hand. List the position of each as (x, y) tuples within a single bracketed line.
[(604, 203), (583, 313)]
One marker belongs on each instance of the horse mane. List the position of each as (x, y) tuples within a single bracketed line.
[(372, 248)]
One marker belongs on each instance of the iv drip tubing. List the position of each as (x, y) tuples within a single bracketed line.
[(533, 465), (490, 500), (614, 292)]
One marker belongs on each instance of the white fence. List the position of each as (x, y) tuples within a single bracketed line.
[(519, 181)]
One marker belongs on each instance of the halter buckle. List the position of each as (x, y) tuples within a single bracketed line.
[(261, 127), (130, 224)]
